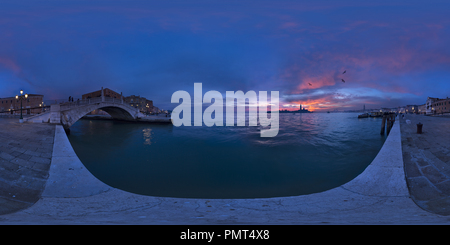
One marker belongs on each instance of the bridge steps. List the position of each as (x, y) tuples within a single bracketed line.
[(40, 118)]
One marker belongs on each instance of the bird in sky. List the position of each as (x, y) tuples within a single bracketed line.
[(344, 72), (310, 84), (343, 80)]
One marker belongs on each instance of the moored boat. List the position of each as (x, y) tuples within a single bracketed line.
[(364, 115)]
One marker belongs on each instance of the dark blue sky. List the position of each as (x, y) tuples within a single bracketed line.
[(395, 52)]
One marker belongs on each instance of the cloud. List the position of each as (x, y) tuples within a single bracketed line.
[(155, 48), (9, 64), (12, 66)]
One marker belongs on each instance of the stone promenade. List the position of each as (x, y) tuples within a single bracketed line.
[(72, 195), (25, 157), (427, 161)]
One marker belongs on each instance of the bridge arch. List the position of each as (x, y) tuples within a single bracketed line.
[(71, 114)]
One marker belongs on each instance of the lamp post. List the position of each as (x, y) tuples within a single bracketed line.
[(21, 97)]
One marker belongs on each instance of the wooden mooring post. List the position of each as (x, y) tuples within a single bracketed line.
[(383, 124), (388, 120)]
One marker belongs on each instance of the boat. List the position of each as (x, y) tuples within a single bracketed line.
[(364, 115), (376, 114)]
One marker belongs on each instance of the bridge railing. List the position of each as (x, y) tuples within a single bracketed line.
[(70, 105), (113, 100), (76, 102)]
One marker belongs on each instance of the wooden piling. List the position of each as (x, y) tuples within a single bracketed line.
[(388, 125), (383, 124), (390, 122)]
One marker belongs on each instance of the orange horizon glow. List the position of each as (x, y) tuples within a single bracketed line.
[(321, 104)]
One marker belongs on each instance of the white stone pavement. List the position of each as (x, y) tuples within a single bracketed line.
[(379, 195)]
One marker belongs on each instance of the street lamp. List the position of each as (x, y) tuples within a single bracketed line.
[(21, 97)]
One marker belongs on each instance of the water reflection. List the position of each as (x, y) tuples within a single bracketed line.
[(311, 153), (147, 133)]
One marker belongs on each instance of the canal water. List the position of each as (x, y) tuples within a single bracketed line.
[(311, 153)]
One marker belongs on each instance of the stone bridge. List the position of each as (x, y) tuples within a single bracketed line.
[(70, 112)]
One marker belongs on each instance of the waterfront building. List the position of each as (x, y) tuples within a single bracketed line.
[(422, 109), (96, 94), (389, 109), (411, 109), (429, 103), (156, 110), (33, 104), (106, 91), (144, 105), (376, 112), (301, 110), (441, 106)]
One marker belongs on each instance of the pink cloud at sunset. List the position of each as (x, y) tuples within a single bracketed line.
[(9, 65)]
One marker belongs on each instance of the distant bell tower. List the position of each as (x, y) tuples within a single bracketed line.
[(300, 107)]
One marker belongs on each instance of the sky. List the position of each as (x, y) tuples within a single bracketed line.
[(395, 53)]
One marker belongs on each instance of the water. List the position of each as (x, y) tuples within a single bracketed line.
[(311, 153)]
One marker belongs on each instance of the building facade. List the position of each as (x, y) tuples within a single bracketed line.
[(429, 105), (96, 94), (411, 109), (31, 105), (389, 109), (422, 109), (106, 91), (156, 110), (144, 105), (441, 106)]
